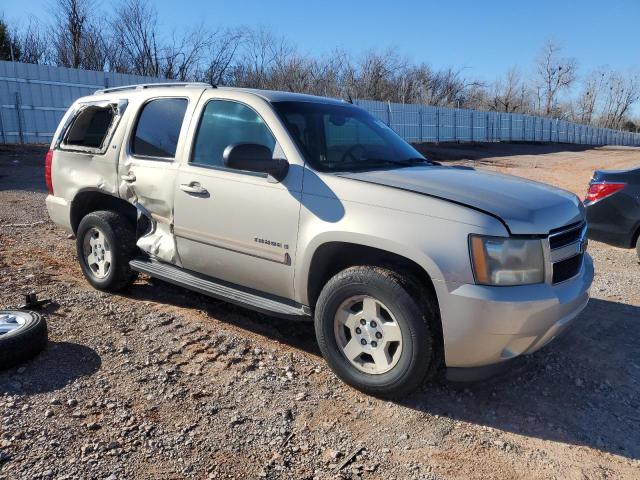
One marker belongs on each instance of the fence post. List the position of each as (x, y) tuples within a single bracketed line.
[(420, 124), (486, 126), (4, 135), (437, 124), (471, 122), (389, 114), (511, 127), (19, 116), (535, 129), (455, 124)]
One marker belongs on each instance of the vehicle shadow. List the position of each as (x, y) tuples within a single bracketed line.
[(582, 389), (298, 334), (58, 365)]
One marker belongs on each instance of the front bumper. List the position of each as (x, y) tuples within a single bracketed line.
[(484, 325)]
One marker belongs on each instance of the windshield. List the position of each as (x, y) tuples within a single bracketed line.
[(344, 137)]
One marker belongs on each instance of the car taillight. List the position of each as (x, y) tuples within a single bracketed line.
[(600, 190), (47, 171)]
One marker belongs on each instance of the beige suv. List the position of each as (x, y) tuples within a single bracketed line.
[(306, 207)]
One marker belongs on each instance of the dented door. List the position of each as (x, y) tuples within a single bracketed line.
[(148, 166)]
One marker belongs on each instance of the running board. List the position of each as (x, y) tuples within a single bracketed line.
[(221, 290)]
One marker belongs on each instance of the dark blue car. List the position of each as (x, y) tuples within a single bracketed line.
[(613, 207)]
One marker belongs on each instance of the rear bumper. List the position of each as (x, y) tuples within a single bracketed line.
[(613, 220), (485, 325), (59, 211)]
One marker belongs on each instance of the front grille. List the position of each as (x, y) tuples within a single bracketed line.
[(566, 269), (566, 251), (566, 237)]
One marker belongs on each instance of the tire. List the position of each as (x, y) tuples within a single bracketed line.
[(638, 247), (409, 310), (26, 341), (105, 243)]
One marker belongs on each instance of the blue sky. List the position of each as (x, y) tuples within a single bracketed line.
[(484, 37)]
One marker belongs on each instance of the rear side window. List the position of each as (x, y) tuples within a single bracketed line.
[(224, 123), (90, 127), (158, 128)]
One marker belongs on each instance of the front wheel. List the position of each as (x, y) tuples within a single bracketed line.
[(105, 243), (376, 331)]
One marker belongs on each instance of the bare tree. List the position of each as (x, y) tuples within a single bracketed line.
[(555, 74), (263, 53), (181, 57), (134, 43), (72, 22), (621, 92), (590, 96), (511, 94), (378, 72), (222, 49), (34, 43)]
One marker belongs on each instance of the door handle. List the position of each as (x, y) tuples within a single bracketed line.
[(129, 177), (193, 187)]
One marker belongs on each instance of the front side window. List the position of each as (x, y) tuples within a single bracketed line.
[(158, 128), (90, 127), (224, 123), (343, 137)]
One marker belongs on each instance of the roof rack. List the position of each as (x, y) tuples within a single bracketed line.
[(144, 86)]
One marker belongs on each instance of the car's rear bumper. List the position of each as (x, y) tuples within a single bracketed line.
[(613, 220), (485, 325), (59, 211)]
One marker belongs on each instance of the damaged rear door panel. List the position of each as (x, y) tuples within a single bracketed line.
[(86, 153), (148, 164)]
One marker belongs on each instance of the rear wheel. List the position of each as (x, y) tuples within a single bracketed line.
[(638, 246), (105, 243), (375, 329)]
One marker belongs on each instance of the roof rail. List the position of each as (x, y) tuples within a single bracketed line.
[(144, 86)]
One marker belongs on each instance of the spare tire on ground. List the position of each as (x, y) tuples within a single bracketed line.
[(23, 334)]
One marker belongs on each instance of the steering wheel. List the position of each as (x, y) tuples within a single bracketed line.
[(350, 152)]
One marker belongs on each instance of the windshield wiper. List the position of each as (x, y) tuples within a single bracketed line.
[(417, 160), (407, 162), (372, 163)]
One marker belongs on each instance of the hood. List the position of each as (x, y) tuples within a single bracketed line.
[(524, 206)]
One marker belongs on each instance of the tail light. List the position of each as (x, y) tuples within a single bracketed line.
[(48, 160), (600, 190)]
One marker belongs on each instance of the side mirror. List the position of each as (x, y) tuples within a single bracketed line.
[(254, 158)]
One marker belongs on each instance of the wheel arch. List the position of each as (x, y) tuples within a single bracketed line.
[(331, 257), (87, 201)]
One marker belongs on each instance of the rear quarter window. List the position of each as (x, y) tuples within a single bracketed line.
[(158, 128), (90, 126)]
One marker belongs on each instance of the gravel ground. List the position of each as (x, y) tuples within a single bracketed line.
[(159, 382)]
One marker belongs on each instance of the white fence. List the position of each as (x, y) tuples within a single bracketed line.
[(425, 123), (33, 99)]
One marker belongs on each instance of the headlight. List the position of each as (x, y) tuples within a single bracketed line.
[(506, 261)]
